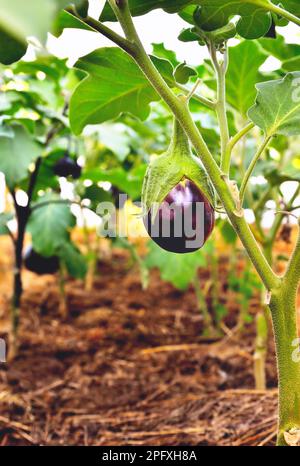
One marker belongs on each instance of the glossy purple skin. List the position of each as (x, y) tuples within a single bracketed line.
[(40, 264), (180, 208), (67, 167)]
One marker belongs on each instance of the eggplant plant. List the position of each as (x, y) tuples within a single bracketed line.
[(275, 112), (126, 79)]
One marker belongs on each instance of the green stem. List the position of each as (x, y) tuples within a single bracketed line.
[(252, 166), (283, 308), (232, 143), (284, 13), (221, 69), (182, 113), (199, 98), (97, 26)]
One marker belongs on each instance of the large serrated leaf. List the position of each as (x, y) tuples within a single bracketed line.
[(245, 60), (49, 225), (277, 107), (17, 151), (114, 85), (255, 19)]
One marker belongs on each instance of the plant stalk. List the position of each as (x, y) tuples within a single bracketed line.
[(284, 315), (283, 13)]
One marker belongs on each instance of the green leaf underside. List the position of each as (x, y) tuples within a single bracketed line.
[(277, 107), (114, 85), (17, 151), (49, 226), (73, 260)]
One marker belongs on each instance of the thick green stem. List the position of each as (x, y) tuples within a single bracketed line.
[(182, 113), (283, 308)]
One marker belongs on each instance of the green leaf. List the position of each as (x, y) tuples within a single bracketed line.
[(245, 60), (8, 100), (96, 195), (277, 107), (178, 269), (49, 225), (183, 73), (188, 35), (293, 64), (114, 85), (159, 50), (291, 5), (138, 7), (255, 21), (65, 20), (11, 49), (4, 219), (17, 151), (279, 48), (165, 68), (227, 231), (129, 182), (115, 136), (20, 19), (255, 18), (73, 260)]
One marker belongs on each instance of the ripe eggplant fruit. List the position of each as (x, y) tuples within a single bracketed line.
[(66, 166), (178, 198), (184, 220), (39, 264)]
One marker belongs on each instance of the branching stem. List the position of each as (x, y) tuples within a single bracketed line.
[(251, 167), (182, 113), (221, 70)]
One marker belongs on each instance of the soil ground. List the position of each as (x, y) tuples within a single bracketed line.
[(130, 367)]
